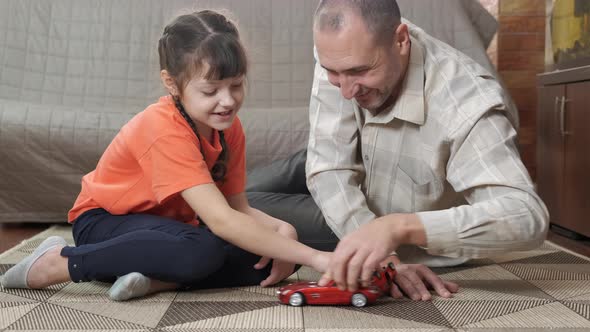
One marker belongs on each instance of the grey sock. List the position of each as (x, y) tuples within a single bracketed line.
[(130, 286), (16, 276)]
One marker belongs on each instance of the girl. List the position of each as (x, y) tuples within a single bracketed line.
[(165, 207)]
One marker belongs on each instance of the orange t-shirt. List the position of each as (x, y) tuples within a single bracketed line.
[(154, 157)]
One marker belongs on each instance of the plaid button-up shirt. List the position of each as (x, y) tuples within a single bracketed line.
[(447, 151)]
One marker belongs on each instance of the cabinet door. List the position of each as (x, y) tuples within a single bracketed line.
[(577, 158), (550, 146)]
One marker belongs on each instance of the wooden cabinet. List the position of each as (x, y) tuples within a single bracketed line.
[(563, 143)]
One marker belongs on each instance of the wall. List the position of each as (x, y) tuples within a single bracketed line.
[(492, 7), (521, 38)]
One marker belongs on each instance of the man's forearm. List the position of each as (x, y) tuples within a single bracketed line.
[(406, 228)]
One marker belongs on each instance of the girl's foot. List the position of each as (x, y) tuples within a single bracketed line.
[(130, 286), (135, 284), (42, 268)]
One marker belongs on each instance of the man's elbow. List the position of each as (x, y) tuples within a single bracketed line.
[(539, 223)]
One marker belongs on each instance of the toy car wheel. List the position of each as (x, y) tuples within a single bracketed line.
[(359, 300), (296, 299)]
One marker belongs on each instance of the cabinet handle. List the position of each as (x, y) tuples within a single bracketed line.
[(562, 117)]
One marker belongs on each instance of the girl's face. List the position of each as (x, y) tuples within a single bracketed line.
[(213, 105)]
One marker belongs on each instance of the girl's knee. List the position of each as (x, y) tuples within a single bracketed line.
[(200, 259)]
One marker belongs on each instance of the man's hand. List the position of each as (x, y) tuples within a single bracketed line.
[(359, 253), (280, 269), (415, 280)]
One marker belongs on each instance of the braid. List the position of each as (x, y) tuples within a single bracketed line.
[(219, 169), (187, 118)]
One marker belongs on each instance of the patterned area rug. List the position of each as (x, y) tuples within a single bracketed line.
[(547, 288)]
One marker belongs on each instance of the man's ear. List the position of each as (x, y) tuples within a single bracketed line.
[(169, 83), (402, 39)]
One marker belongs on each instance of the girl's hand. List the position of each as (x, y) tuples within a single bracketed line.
[(321, 261), (280, 269)]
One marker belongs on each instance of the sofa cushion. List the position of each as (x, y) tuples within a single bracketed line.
[(46, 149), (273, 133), (103, 53)]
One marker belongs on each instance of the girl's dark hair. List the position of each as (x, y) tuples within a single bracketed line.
[(188, 44)]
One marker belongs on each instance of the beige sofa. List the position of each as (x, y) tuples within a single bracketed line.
[(72, 72)]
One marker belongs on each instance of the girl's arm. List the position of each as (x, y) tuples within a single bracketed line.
[(240, 203), (280, 269), (243, 231)]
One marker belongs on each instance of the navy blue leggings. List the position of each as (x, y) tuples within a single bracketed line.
[(108, 246)]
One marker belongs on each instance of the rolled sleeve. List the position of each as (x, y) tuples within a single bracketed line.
[(503, 212), (441, 239)]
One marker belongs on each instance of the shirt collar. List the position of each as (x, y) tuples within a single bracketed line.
[(410, 104)]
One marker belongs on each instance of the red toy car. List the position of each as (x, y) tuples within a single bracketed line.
[(308, 292)]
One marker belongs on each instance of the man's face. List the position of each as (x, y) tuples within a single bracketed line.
[(361, 67)]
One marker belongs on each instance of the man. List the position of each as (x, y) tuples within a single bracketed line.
[(439, 168), (412, 149)]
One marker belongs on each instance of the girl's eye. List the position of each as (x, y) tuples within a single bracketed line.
[(210, 92), (237, 85)]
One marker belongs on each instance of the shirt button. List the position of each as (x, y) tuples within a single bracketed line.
[(367, 157), (75, 266)]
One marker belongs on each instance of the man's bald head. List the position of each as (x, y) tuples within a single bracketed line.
[(381, 17)]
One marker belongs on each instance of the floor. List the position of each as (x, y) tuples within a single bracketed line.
[(541, 290), (12, 234), (581, 247)]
